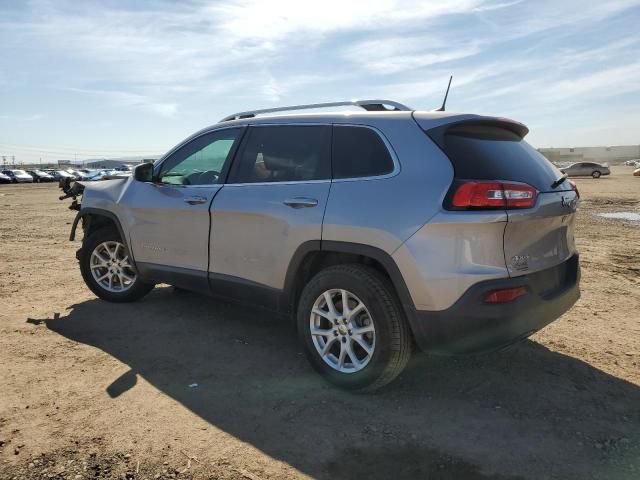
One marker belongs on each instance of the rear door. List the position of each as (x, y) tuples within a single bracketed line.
[(273, 202), (537, 237)]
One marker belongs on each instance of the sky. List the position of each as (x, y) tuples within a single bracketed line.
[(111, 78)]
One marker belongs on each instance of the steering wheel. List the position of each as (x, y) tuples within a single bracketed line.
[(204, 178)]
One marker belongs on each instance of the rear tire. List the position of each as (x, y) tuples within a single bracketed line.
[(376, 333), (596, 174), (107, 270)]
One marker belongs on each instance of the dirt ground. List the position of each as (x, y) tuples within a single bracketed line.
[(96, 390)]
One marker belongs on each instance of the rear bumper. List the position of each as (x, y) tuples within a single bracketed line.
[(472, 326)]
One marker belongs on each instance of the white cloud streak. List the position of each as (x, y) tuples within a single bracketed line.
[(129, 99)]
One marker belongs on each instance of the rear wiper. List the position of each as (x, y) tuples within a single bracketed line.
[(559, 181)]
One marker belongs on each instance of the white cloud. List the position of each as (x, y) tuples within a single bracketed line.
[(130, 100), (203, 57), (397, 54), (602, 83), (23, 118), (275, 19), (190, 46)]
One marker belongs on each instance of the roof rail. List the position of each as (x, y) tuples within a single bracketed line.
[(369, 105)]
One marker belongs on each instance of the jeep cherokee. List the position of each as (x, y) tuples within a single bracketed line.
[(375, 230)]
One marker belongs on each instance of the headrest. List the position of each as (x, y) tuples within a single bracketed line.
[(277, 163)]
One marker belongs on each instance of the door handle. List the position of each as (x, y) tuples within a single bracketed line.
[(195, 200), (300, 202)]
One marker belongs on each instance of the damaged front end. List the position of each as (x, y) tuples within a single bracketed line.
[(72, 189), (94, 202)]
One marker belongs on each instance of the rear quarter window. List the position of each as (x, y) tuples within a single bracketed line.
[(359, 152)]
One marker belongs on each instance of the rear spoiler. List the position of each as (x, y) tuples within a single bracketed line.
[(488, 127)]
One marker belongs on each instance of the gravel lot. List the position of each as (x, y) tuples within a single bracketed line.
[(95, 390)]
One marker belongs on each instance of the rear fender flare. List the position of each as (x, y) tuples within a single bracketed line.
[(380, 256)]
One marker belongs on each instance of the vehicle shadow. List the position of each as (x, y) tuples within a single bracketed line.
[(526, 411)]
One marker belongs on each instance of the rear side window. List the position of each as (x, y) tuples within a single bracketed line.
[(359, 152), (480, 152), (283, 153)]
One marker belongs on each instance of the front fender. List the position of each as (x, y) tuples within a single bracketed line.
[(87, 213)]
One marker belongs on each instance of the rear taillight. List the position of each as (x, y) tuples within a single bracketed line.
[(575, 188), (505, 295), (470, 194)]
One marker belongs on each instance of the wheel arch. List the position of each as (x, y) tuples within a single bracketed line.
[(94, 218), (313, 256)]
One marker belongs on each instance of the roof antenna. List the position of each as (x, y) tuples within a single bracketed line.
[(444, 102)]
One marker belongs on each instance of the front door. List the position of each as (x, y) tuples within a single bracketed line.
[(273, 202), (169, 218)]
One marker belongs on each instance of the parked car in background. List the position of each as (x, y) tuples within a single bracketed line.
[(5, 178), (586, 169), (632, 163), (40, 176), (58, 174), (86, 175), (18, 176), (124, 168), (77, 174)]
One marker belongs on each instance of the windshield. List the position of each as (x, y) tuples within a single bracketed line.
[(19, 172)]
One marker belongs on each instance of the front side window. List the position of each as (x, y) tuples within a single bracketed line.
[(283, 153), (201, 161), (359, 152)]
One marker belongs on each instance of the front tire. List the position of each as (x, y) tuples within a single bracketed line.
[(107, 269), (353, 328)]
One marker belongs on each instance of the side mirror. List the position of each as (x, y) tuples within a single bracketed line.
[(143, 172)]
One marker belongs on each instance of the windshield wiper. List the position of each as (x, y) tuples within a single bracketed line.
[(559, 181)]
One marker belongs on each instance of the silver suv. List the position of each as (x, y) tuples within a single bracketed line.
[(376, 230)]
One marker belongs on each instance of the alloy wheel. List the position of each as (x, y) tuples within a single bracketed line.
[(111, 267), (342, 330)]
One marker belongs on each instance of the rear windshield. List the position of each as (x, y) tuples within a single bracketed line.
[(481, 152)]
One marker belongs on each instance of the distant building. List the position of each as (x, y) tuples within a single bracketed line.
[(613, 155), (109, 163)]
